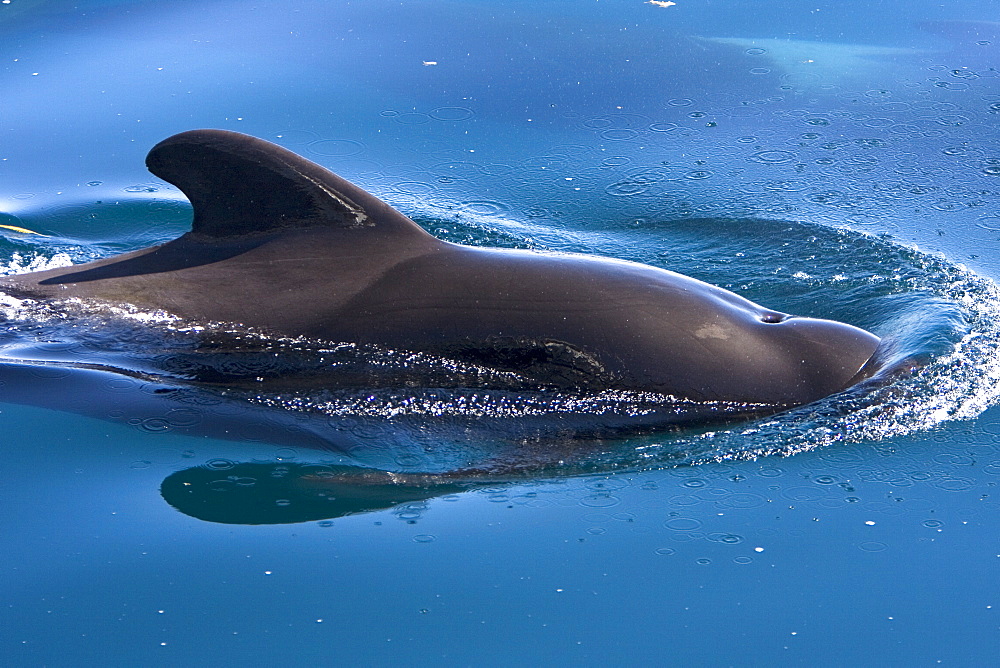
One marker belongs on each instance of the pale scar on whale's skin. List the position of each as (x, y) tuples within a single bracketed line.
[(711, 332), (281, 245)]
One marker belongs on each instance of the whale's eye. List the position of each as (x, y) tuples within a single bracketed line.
[(773, 317)]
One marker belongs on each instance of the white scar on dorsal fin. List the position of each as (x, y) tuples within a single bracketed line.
[(360, 217)]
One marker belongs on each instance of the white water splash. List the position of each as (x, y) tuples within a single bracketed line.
[(20, 264)]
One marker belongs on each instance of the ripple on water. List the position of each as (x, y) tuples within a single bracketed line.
[(774, 157), (453, 114), (411, 118), (619, 134), (959, 379), (742, 500), (600, 500), (336, 148), (484, 207), (616, 161), (295, 137), (682, 524)]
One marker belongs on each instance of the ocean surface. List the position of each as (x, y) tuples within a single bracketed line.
[(837, 160)]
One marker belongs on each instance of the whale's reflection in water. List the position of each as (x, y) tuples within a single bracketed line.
[(280, 493)]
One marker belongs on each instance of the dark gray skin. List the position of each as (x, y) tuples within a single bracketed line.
[(282, 245)]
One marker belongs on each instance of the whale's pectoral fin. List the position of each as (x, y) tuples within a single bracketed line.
[(241, 185)]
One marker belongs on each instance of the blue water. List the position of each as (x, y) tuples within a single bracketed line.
[(827, 160)]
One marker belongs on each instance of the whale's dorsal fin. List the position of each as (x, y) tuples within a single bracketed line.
[(241, 185)]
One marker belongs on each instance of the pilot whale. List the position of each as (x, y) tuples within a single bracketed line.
[(281, 245)]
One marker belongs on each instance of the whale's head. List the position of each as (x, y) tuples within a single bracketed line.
[(804, 359), (732, 349)]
